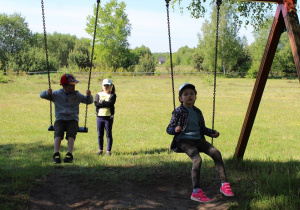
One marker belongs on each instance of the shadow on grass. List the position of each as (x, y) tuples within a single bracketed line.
[(28, 180)]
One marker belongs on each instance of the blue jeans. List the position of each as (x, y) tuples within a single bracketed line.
[(107, 123)]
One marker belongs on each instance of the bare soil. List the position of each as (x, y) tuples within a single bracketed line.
[(57, 192)]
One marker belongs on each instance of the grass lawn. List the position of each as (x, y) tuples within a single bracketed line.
[(267, 178)]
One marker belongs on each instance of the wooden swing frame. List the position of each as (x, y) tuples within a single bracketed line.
[(285, 19)]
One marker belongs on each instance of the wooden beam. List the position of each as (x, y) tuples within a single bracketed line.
[(293, 30), (262, 76)]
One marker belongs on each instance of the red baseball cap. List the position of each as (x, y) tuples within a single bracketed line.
[(68, 79)]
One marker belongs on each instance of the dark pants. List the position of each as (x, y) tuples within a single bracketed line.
[(70, 126), (107, 123), (192, 149)]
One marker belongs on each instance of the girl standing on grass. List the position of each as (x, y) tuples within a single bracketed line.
[(105, 110), (188, 127)]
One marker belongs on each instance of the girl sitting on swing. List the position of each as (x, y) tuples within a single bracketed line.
[(188, 126)]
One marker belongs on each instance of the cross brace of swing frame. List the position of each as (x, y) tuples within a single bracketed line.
[(285, 18)]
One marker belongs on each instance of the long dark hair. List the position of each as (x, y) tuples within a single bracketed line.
[(113, 89)]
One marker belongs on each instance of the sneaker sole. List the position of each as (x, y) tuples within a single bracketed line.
[(226, 194), (195, 199)]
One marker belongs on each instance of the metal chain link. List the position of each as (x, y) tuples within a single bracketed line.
[(219, 2), (91, 64), (47, 60), (170, 47)]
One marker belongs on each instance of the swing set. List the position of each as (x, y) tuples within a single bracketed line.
[(51, 127), (285, 19)]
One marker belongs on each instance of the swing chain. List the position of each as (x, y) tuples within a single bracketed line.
[(219, 2), (92, 55), (47, 60), (170, 47)]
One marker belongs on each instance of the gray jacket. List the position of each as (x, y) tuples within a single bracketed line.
[(67, 104)]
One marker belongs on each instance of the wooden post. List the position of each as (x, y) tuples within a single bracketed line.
[(293, 30), (262, 76)]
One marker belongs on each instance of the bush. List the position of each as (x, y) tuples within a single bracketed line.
[(3, 78), (252, 73), (146, 64)]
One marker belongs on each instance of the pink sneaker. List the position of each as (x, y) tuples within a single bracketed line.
[(226, 190), (200, 197)]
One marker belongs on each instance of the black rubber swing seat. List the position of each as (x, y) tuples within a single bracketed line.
[(80, 129)]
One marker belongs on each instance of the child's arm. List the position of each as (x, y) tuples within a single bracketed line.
[(102, 104), (178, 129), (46, 94), (207, 131), (88, 93), (88, 99), (215, 135), (173, 128)]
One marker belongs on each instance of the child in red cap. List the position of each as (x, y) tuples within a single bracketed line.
[(66, 101)]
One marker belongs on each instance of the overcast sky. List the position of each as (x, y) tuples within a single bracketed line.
[(148, 19)]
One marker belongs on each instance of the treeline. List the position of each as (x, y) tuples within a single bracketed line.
[(22, 50)]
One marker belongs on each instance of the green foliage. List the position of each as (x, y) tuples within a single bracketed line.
[(33, 60), (244, 63), (184, 56), (59, 46), (3, 78), (139, 52), (230, 45), (146, 64), (247, 13), (198, 60), (80, 56), (14, 36), (283, 63), (23, 51), (113, 30)]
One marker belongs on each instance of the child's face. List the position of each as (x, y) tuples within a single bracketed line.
[(188, 97), (106, 88), (69, 88)]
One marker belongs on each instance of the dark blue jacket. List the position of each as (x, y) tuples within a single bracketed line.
[(180, 117)]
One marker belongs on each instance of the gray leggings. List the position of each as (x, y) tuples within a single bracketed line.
[(192, 149)]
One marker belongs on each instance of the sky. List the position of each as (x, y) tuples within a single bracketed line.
[(148, 20)]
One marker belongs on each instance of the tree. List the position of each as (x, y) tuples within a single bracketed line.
[(80, 56), (139, 52), (14, 37), (113, 30), (283, 62), (230, 45), (60, 45), (146, 64), (198, 60), (244, 12), (32, 59), (184, 56)]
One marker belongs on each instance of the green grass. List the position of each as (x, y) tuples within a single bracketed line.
[(268, 178)]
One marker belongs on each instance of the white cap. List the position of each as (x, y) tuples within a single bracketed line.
[(106, 82)]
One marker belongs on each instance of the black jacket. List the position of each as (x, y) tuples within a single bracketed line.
[(102, 104)]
